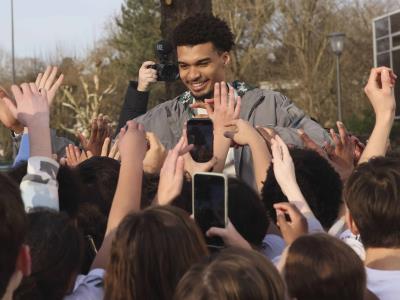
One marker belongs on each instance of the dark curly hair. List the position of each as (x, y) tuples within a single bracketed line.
[(318, 181), (203, 28)]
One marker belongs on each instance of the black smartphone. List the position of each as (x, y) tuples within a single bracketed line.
[(209, 204), (200, 133)]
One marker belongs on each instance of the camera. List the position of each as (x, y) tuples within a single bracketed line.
[(166, 70)]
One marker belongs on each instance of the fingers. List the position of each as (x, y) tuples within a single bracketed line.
[(105, 147), (232, 123), (114, 149), (335, 138), (217, 95), (180, 167), (58, 83), (210, 164), (82, 139), (52, 76), (290, 209), (276, 151), (216, 231), (231, 101), (45, 76), (224, 96), (93, 131), (230, 134), (386, 81), (33, 88), (265, 134), (344, 137), (146, 64), (89, 154), (38, 79), (16, 90), (236, 114), (309, 143), (283, 146)]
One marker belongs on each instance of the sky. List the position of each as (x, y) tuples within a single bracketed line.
[(42, 26)]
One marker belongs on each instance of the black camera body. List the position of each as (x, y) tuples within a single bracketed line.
[(166, 70)]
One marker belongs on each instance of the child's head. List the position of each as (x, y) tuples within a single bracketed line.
[(320, 266), (232, 274), (318, 181), (14, 256), (151, 250), (372, 196), (56, 251)]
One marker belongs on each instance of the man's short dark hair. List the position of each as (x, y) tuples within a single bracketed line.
[(373, 198), (13, 227), (318, 181), (201, 29)]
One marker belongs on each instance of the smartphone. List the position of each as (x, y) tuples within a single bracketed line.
[(200, 133), (210, 203)]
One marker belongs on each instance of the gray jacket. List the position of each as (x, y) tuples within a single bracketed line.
[(259, 108)]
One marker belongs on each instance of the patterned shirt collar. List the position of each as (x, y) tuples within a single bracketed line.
[(187, 98)]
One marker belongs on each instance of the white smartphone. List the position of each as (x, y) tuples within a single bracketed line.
[(210, 203)]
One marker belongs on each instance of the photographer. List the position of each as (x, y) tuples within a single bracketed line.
[(203, 44)]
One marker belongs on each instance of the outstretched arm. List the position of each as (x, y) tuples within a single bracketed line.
[(242, 133), (132, 147), (380, 92)]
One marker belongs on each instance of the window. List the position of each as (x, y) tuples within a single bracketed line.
[(387, 46)]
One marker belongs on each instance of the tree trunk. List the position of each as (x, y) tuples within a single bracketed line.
[(172, 13)]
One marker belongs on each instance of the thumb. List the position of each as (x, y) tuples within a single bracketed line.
[(281, 220), (11, 106), (386, 81), (216, 231), (211, 163)]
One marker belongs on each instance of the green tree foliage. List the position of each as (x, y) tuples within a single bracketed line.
[(137, 30)]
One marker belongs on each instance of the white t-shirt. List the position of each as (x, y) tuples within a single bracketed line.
[(88, 287), (354, 242), (384, 284)]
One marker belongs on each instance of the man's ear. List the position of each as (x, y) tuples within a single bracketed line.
[(226, 58), (24, 260), (350, 223)]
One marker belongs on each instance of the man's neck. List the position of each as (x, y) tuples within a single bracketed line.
[(383, 259)]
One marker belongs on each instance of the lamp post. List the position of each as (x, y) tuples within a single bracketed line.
[(337, 43), (12, 41)]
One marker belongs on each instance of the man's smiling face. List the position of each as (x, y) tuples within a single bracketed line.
[(200, 67)]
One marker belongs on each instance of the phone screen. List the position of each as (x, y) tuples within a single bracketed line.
[(209, 204), (200, 134)]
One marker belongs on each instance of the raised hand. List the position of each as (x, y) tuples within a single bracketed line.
[(132, 143), (100, 130), (31, 109), (341, 156), (74, 156), (171, 175), (296, 227), (146, 76), (48, 82), (283, 166), (225, 108), (155, 156), (6, 117), (242, 133), (106, 151), (379, 90), (230, 236), (31, 106)]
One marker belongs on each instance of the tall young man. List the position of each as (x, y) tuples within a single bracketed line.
[(203, 44)]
